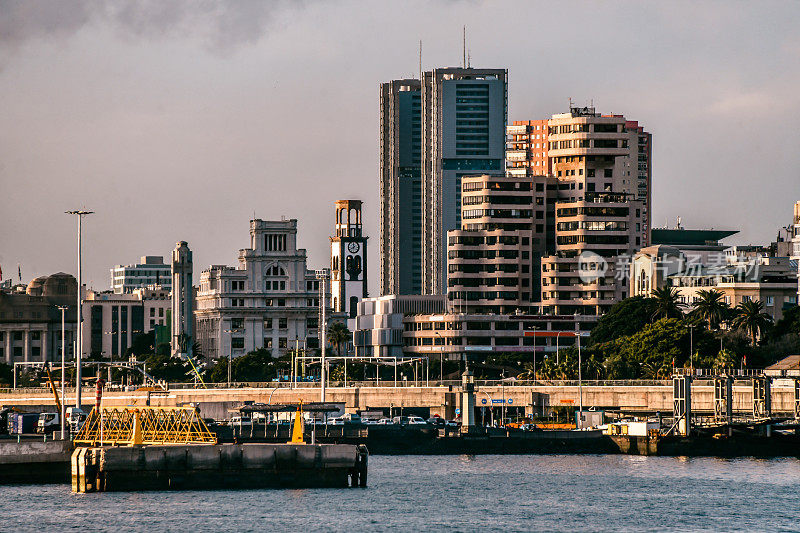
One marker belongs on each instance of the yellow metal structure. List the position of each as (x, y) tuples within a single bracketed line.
[(53, 388), (144, 425), (297, 429)]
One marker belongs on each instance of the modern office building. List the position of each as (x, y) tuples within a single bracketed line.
[(461, 115), (30, 320), (379, 322), (401, 187), (112, 321), (151, 271), (348, 258), (467, 336), (270, 300)]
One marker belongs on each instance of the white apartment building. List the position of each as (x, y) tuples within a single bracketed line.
[(148, 273)]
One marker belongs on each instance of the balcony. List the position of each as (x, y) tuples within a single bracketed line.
[(517, 155)]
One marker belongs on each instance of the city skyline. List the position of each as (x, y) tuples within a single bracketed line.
[(170, 134)]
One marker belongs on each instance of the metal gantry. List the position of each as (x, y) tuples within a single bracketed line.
[(762, 401), (723, 399), (144, 425)]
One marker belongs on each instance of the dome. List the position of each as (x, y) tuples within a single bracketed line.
[(35, 286), (60, 285)]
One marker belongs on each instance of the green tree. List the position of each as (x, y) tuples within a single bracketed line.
[(624, 318), (726, 359), (258, 365), (668, 304), (751, 318), (788, 325), (711, 308), (338, 334)]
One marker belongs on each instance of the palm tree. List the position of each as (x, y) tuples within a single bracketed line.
[(711, 308), (668, 304), (338, 334), (751, 318)]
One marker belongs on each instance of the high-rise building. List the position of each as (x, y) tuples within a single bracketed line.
[(464, 117), (616, 154), (348, 259), (401, 188), (182, 316), (494, 260), (459, 116), (150, 272)]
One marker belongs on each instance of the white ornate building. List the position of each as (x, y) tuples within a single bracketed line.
[(270, 300)]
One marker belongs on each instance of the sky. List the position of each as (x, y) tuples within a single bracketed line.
[(181, 120)]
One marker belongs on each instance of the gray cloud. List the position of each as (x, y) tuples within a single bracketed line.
[(220, 25)]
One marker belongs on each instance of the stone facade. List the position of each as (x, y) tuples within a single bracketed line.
[(270, 300)]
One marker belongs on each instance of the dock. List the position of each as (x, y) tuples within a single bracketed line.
[(223, 466)]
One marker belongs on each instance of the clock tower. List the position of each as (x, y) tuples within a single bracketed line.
[(348, 258)]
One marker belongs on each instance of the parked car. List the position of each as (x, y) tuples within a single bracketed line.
[(416, 421), (437, 421), (384, 422), (240, 422)]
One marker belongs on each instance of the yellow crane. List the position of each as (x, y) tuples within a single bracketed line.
[(53, 388)]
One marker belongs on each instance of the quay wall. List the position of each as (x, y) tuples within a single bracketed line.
[(196, 467), (221, 403)]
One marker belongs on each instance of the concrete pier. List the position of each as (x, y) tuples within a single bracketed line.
[(234, 466), (34, 461)]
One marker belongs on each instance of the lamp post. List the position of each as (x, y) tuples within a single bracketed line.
[(323, 275), (79, 341), (534, 328), (63, 413), (691, 346), (580, 385), (441, 359), (230, 353)]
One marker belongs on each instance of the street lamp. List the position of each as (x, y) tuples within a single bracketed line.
[(230, 352), (79, 341), (323, 275), (63, 413), (441, 359), (691, 346)]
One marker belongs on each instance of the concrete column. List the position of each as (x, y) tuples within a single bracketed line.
[(45, 337), (26, 350), (9, 336)]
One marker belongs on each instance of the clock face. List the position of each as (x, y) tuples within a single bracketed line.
[(352, 247)]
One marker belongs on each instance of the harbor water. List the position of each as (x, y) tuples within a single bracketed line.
[(454, 493)]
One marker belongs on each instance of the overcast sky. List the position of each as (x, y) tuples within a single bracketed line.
[(180, 120)]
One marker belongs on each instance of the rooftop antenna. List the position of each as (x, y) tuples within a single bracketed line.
[(469, 59), (420, 60), (465, 46)]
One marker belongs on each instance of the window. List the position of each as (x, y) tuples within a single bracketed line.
[(283, 323), (267, 342), (608, 173), (282, 342), (281, 302), (770, 301), (267, 323), (237, 285), (237, 323), (153, 311), (237, 343), (36, 335)]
